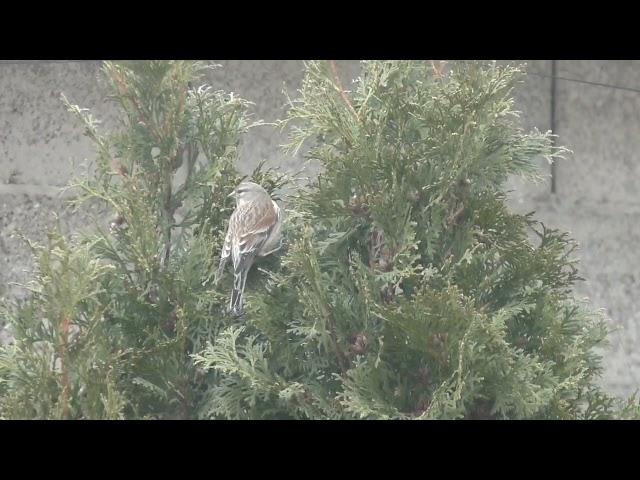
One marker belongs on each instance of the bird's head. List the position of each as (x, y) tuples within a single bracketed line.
[(247, 192)]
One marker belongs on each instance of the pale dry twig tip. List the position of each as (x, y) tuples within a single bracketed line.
[(438, 70), (338, 85)]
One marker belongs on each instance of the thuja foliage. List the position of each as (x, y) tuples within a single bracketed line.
[(405, 287), (114, 316), (408, 290)]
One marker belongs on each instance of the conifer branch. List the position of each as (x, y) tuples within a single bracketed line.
[(123, 91), (342, 359), (437, 71), (340, 89), (493, 334), (64, 373)]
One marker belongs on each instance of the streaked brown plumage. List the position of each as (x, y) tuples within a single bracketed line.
[(254, 231)]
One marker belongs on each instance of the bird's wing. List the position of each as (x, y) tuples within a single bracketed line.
[(250, 226), (226, 246), (273, 241)]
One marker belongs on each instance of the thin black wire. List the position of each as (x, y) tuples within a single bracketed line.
[(587, 82), (555, 77), (576, 80)]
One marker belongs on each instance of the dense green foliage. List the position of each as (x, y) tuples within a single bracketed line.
[(405, 287), (114, 316), (408, 289)]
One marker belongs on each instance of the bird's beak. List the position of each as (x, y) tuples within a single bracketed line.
[(231, 194)]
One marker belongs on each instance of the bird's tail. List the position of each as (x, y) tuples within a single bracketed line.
[(239, 280)]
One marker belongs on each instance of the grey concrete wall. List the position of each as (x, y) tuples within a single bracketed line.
[(596, 199)]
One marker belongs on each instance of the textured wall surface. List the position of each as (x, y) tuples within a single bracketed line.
[(597, 199)]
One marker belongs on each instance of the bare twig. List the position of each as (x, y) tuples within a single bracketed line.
[(338, 85), (142, 117), (437, 71), (455, 216)]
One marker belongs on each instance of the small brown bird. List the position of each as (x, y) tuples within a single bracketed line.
[(254, 231)]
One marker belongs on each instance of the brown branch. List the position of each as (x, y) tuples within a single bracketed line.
[(179, 112), (453, 219), (338, 85), (437, 71), (311, 265), (168, 209), (342, 359), (64, 374), (124, 92), (167, 233)]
